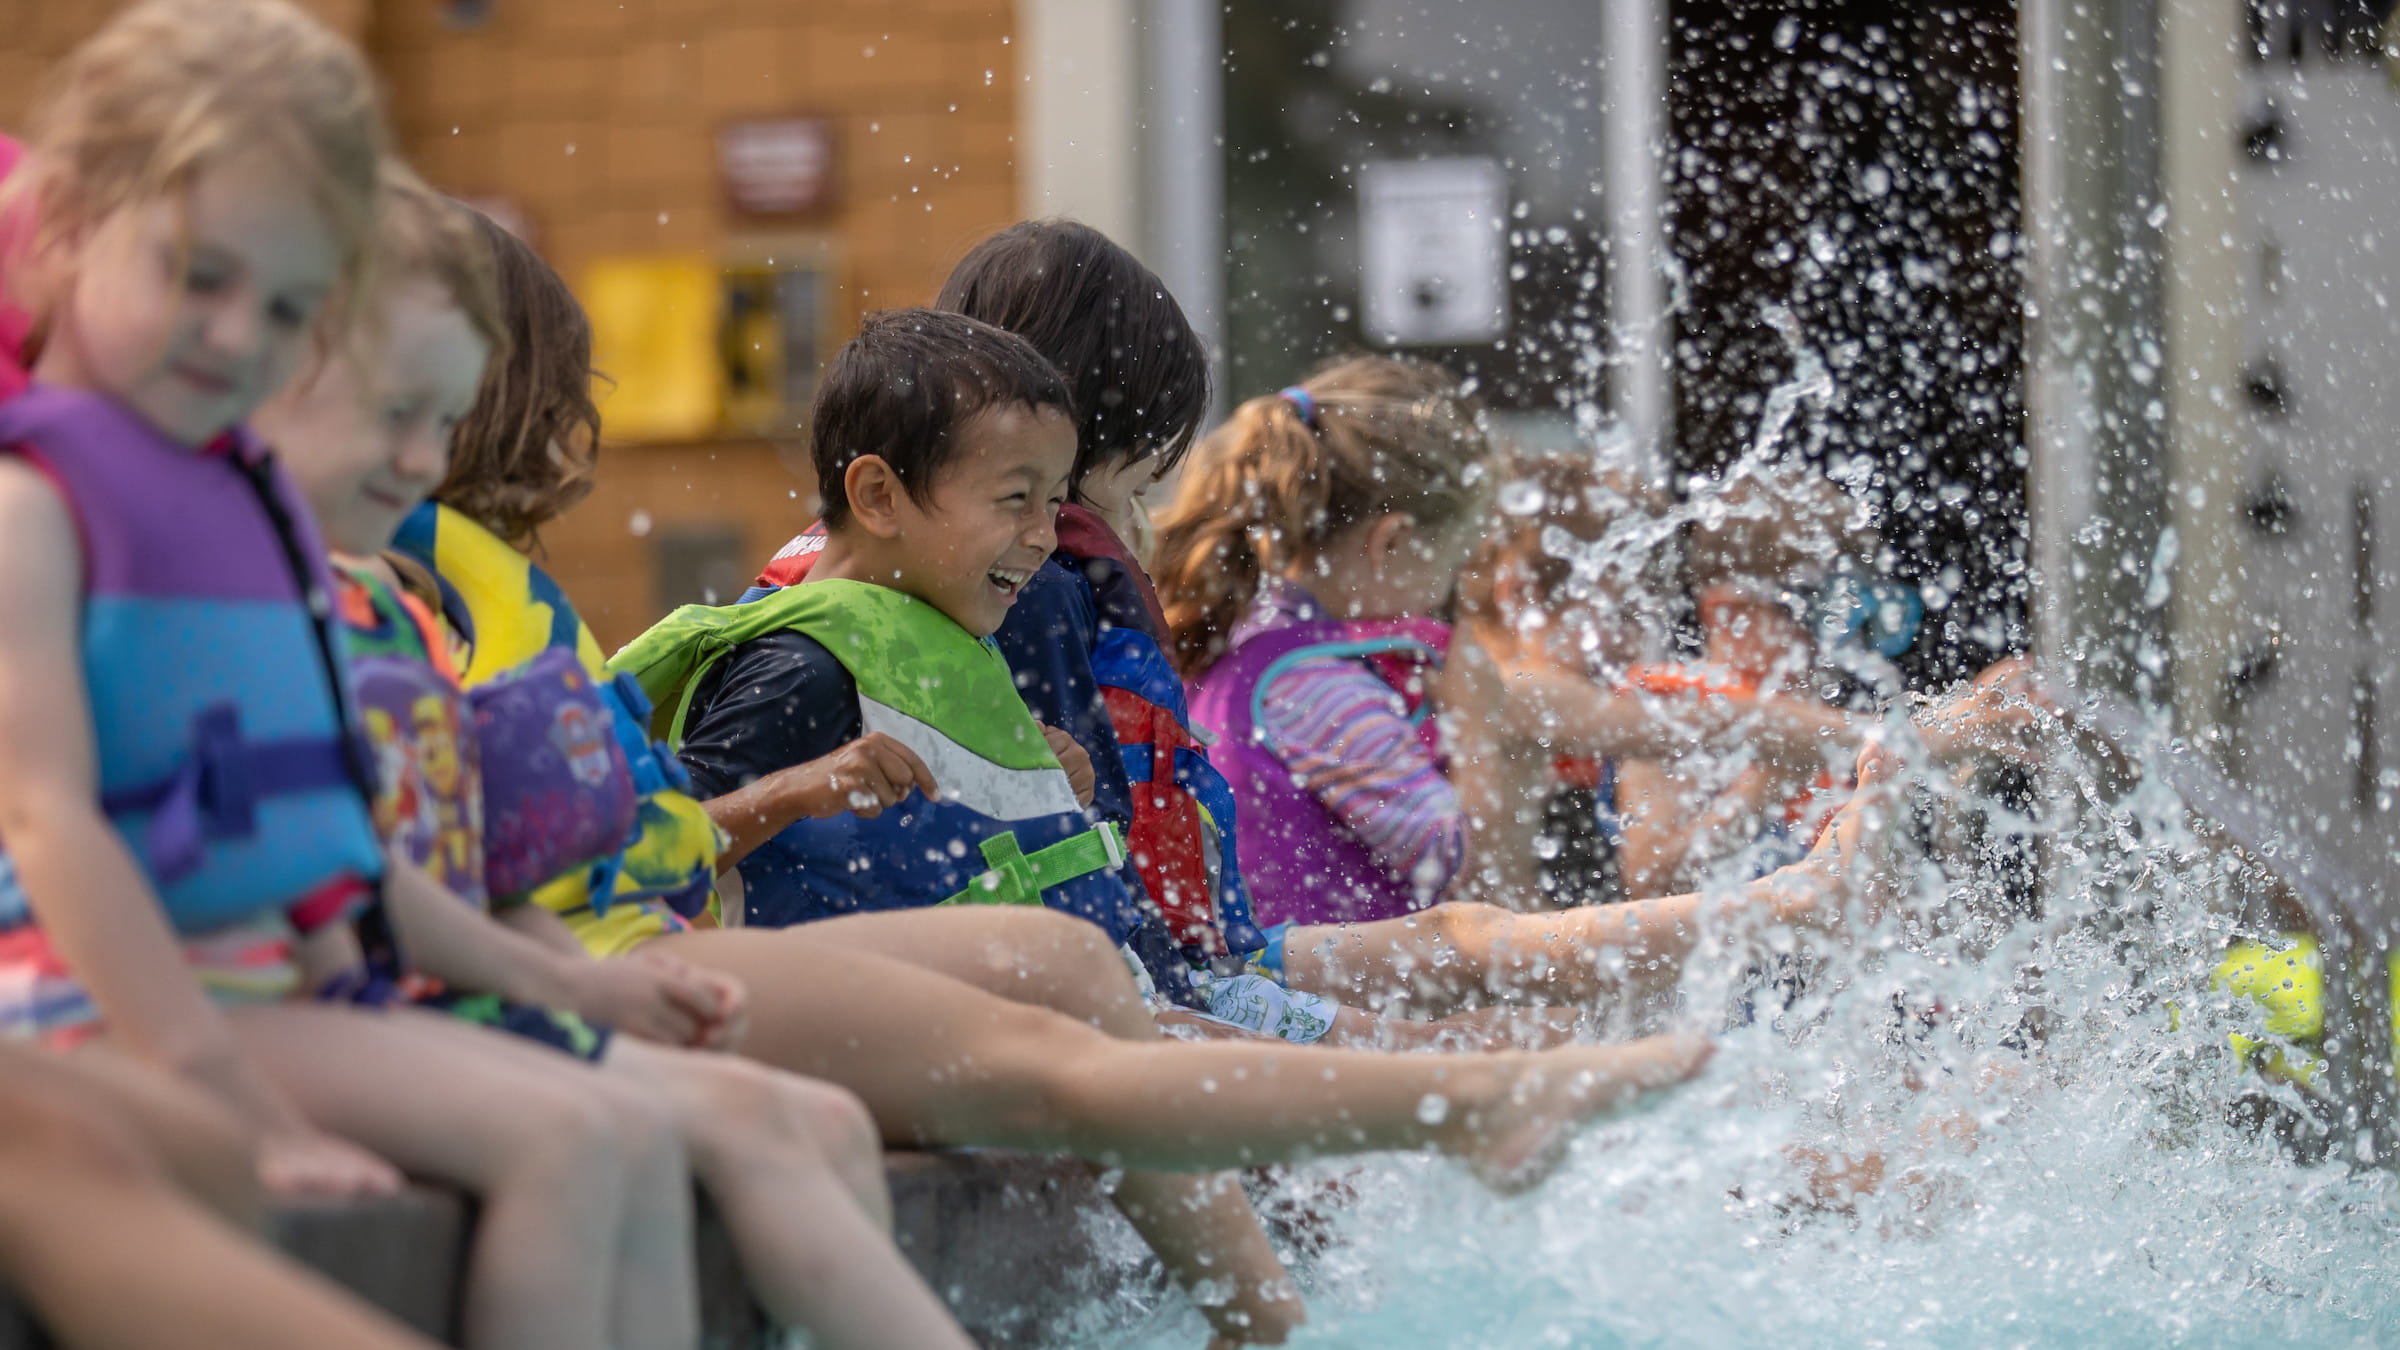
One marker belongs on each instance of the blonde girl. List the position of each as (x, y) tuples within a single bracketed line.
[(182, 791)]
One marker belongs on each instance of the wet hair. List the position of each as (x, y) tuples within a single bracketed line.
[(168, 87), (904, 387), (1554, 497), (1137, 371), (421, 234), (528, 450), (1268, 491)]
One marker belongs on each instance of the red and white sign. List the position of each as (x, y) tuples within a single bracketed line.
[(777, 167)]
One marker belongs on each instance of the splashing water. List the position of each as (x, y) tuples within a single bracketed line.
[(2040, 1089), (2105, 1200)]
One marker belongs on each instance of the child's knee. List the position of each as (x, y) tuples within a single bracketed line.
[(1469, 929), (837, 1120), (579, 1132), (48, 1133)]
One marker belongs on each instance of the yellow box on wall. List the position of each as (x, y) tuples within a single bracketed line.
[(655, 333)]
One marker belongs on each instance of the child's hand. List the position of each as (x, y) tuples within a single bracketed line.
[(1856, 845), (2000, 713), (653, 998), (1072, 758), (731, 1021), (302, 1161), (871, 773)]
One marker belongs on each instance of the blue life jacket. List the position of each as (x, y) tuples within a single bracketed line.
[(219, 707)]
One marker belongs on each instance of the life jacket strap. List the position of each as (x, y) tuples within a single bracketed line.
[(1019, 878), (215, 793)]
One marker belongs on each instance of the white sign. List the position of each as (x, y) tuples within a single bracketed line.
[(1433, 251)]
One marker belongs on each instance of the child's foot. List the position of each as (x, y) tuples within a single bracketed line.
[(1515, 1142)]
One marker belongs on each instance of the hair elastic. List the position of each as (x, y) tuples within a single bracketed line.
[(1303, 403)]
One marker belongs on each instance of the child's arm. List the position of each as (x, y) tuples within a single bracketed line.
[(454, 942), (85, 888), (1527, 699), (863, 777)]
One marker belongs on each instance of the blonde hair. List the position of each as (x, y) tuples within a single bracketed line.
[(1269, 490), (419, 233), (135, 112)]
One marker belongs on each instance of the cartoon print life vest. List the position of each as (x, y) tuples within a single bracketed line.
[(511, 612), (220, 715), (429, 763), (1008, 828)]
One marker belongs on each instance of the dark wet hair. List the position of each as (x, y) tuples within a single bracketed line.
[(1137, 370), (905, 385)]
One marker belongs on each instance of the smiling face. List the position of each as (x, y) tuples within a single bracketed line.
[(992, 517), (367, 446), (194, 309)]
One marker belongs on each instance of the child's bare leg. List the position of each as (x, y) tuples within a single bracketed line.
[(1055, 961), (940, 1062), (786, 1160), (113, 1257), (1210, 1240), (1203, 1229), (1471, 1030), (523, 1128), (1462, 955), (1458, 956), (203, 1147)]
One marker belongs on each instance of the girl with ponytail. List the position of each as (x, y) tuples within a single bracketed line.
[(1315, 537)]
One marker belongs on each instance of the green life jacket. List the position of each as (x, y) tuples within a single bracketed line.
[(1007, 828)]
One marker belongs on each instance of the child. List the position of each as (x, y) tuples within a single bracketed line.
[(1313, 537), (123, 1196), (897, 1005), (793, 1165), (1082, 637), (943, 450), (1300, 566), (1559, 576), (199, 187)]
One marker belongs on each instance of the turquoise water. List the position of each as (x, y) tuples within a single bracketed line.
[(2105, 1201)]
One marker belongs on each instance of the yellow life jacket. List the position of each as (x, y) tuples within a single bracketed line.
[(510, 611)]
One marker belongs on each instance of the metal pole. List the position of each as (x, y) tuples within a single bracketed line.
[(1633, 131), (1183, 174)]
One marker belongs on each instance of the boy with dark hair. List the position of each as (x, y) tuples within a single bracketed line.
[(943, 447), (1078, 636)]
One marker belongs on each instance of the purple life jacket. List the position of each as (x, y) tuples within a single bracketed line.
[(1303, 865), (557, 790), (220, 713)]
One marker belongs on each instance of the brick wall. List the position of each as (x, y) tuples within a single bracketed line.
[(596, 118)]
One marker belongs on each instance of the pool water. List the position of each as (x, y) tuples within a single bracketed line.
[(2106, 1200)]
